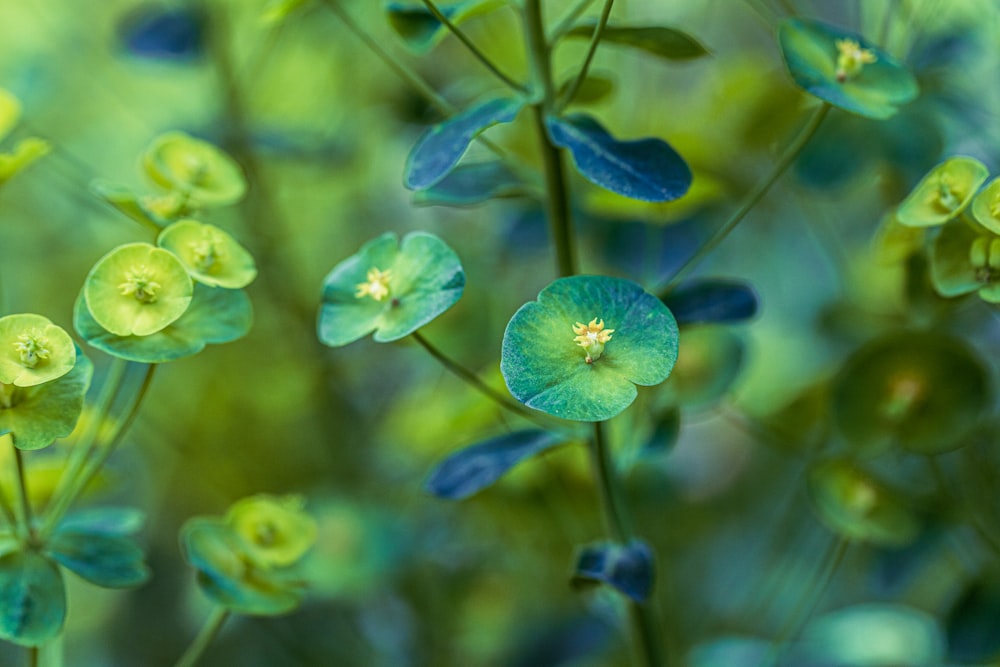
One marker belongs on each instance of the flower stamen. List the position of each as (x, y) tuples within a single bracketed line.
[(140, 284), (851, 59), (376, 286), (592, 337), (32, 349)]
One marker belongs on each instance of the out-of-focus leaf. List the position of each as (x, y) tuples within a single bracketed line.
[(873, 635), (709, 360), (629, 569), (973, 624), (645, 169), (111, 561), (421, 30), (112, 521), (594, 88), (25, 152), (162, 33), (470, 184), (32, 598), (730, 652), (666, 430), (478, 466), (660, 41), (712, 300), (439, 149)]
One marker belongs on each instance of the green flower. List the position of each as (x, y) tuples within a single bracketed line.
[(33, 350), (843, 69), (195, 168), (211, 256), (137, 289), (943, 193), (966, 258), (390, 289), (986, 206), (274, 532), (580, 349)]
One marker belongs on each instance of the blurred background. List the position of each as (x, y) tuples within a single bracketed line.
[(717, 461)]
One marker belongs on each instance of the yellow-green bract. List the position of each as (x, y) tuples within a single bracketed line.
[(943, 193), (210, 254), (195, 168), (33, 350)]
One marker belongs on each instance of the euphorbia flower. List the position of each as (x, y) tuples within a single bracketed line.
[(943, 193), (211, 255), (555, 363), (195, 168), (33, 350), (965, 258), (275, 531)]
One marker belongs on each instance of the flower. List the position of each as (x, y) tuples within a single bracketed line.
[(195, 168), (943, 193), (210, 255), (592, 337), (275, 531), (33, 350)]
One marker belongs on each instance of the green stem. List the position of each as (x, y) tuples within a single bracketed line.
[(473, 49), (595, 39), (566, 23), (472, 379), (32, 656), (785, 161), (205, 637), (25, 503)]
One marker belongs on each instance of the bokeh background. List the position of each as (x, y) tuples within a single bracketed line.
[(715, 460)]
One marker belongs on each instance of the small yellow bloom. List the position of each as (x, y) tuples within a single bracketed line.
[(592, 337), (852, 58), (377, 285), (32, 348), (140, 284)]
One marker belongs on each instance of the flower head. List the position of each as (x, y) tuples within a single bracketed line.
[(194, 168), (33, 350), (376, 284), (210, 254), (851, 58), (592, 337)]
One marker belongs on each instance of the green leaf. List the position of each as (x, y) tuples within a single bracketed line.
[(43, 413), (422, 31), (646, 169), (478, 466), (32, 598), (710, 361), (813, 55), (126, 202), (594, 88), (439, 149), (114, 521), (661, 41), (546, 369), (952, 270), (943, 193), (25, 152), (874, 635), (470, 184), (110, 561), (629, 569), (973, 623), (216, 315), (425, 278)]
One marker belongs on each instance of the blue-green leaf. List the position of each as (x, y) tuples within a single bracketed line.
[(471, 184), (421, 30), (119, 521), (32, 598), (111, 561), (645, 169), (440, 148), (474, 468), (660, 41), (973, 624), (712, 300), (629, 569)]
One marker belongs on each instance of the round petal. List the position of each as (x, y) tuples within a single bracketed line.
[(137, 289), (943, 193), (33, 350), (211, 255), (546, 369), (178, 161), (274, 532), (811, 51)]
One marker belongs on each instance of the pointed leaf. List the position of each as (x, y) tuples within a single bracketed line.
[(421, 30), (110, 561), (661, 41), (646, 169), (471, 184), (32, 598), (629, 569), (476, 467), (712, 300), (594, 88), (440, 148)]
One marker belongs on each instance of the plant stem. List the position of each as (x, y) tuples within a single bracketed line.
[(557, 202), (785, 161), (566, 23), (205, 637), (618, 525), (32, 656), (22, 487), (473, 49), (595, 39)]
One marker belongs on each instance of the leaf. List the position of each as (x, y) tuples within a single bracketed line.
[(126, 202), (216, 315), (471, 184), (646, 169), (114, 521), (110, 561), (712, 300), (629, 569), (25, 152), (661, 41), (32, 598), (710, 360), (478, 466), (973, 624), (164, 34), (440, 148), (595, 87), (874, 635), (422, 31), (666, 430)]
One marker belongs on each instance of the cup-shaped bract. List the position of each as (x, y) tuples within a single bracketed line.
[(966, 258), (922, 390), (211, 255), (857, 506), (390, 288), (195, 168), (579, 351), (274, 531), (943, 193), (986, 206), (33, 350), (844, 70), (137, 289)]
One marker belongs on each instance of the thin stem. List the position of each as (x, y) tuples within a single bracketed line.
[(32, 656), (752, 199), (473, 49), (208, 633), (472, 379), (595, 39), (22, 488), (566, 23)]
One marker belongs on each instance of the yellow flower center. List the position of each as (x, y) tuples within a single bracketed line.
[(947, 195), (140, 284), (32, 349), (377, 285), (206, 253), (862, 498), (851, 59), (984, 255), (592, 337), (995, 206)]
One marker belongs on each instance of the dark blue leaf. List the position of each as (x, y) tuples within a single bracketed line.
[(712, 300), (32, 598), (474, 468), (645, 169), (440, 148), (150, 31), (630, 568), (110, 561), (973, 625), (563, 642), (470, 184)]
